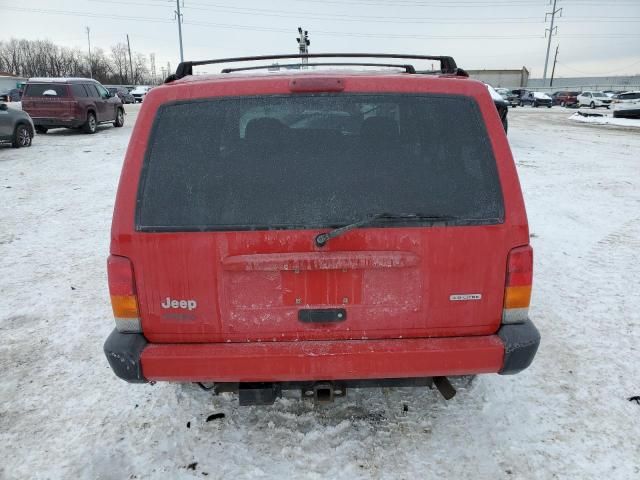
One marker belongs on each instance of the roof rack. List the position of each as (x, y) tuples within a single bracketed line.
[(447, 64), (407, 67)]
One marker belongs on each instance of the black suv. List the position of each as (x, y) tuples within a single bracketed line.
[(536, 99)]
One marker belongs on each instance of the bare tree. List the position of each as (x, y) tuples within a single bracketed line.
[(43, 58)]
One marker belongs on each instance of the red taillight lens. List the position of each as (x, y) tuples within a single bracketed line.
[(122, 289), (517, 292)]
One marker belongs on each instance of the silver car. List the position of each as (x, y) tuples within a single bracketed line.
[(16, 127)]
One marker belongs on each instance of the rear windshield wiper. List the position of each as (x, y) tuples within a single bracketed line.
[(323, 238)]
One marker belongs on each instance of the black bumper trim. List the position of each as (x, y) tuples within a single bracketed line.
[(521, 343), (123, 351)]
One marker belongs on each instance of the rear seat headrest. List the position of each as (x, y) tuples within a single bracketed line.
[(379, 130), (264, 130)]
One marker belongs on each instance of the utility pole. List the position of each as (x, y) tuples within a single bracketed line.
[(551, 31), (130, 62), (303, 44), (553, 70), (90, 61), (179, 17), (152, 60)]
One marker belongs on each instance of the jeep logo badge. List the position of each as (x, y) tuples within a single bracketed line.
[(184, 304)]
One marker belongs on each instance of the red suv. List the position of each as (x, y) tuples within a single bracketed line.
[(565, 99), (319, 230), (72, 103)]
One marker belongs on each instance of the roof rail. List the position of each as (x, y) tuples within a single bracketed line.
[(447, 64), (407, 67)]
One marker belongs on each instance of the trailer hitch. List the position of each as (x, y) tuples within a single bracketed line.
[(324, 392)]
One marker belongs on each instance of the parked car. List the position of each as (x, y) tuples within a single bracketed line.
[(123, 94), (13, 95), (71, 102), (626, 105), (593, 100), (511, 98), (519, 92), (502, 106), (565, 98), (535, 99), (140, 92), (285, 255), (16, 127)]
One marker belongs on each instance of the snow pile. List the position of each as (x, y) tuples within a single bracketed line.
[(606, 120)]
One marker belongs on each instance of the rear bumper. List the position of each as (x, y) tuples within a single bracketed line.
[(57, 122), (508, 352)]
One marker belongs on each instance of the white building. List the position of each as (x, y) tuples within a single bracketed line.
[(9, 82), (502, 78)]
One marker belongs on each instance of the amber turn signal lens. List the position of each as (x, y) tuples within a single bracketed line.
[(124, 306), (517, 297)]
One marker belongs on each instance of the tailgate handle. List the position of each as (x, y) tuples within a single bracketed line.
[(322, 315)]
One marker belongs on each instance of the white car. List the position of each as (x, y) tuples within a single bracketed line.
[(627, 105), (140, 92), (593, 100)]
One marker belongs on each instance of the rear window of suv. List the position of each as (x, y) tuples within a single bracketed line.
[(316, 161), (46, 90)]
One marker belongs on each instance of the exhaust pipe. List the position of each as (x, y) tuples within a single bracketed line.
[(444, 387)]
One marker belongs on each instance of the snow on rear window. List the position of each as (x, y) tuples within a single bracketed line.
[(315, 161)]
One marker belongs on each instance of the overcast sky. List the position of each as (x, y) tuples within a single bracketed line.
[(596, 37)]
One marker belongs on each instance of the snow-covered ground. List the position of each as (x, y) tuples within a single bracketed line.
[(63, 414)]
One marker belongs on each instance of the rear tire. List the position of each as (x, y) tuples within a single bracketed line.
[(91, 124), (592, 106), (119, 122), (22, 136), (42, 130), (563, 105)]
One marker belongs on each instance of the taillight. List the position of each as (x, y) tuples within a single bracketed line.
[(122, 289), (517, 291)]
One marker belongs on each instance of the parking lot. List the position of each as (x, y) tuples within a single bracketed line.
[(63, 414)]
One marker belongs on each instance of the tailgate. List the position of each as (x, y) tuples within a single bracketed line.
[(234, 191), (386, 283), (48, 101)]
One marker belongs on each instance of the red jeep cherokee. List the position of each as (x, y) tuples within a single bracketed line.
[(319, 230)]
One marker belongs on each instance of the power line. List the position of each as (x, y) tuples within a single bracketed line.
[(456, 20), (319, 32), (599, 73)]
